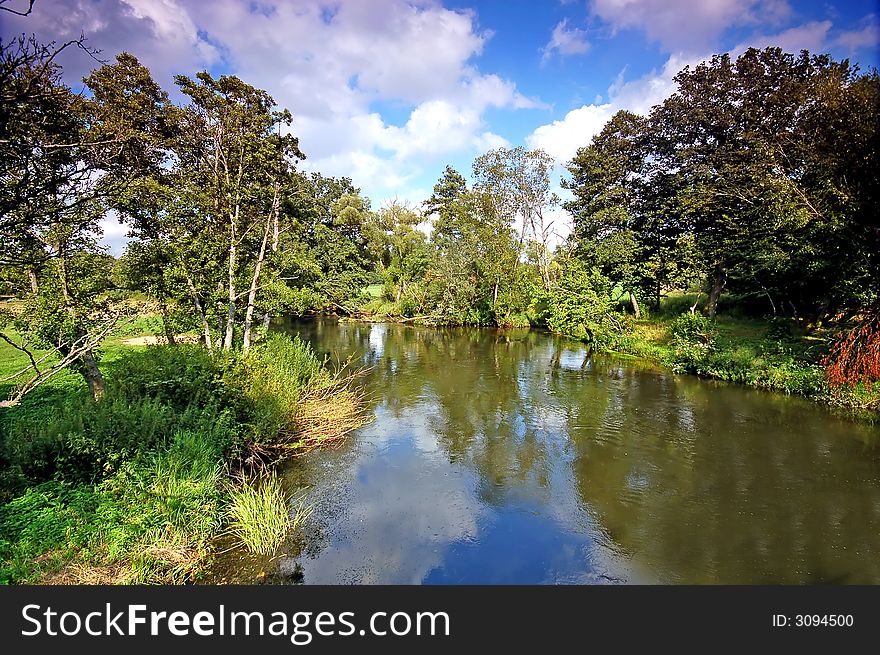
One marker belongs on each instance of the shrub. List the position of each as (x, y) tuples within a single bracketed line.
[(780, 328), (179, 376), (580, 306)]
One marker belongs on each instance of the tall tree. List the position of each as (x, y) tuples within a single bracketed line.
[(234, 157), (517, 182)]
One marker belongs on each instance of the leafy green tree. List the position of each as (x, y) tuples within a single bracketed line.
[(65, 162), (516, 181), (233, 156)]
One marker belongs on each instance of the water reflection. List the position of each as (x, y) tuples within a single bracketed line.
[(516, 457)]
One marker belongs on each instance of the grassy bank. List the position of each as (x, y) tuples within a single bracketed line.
[(138, 486), (776, 355)]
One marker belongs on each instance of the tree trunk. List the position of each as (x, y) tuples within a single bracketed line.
[(718, 284), (255, 281), (230, 313), (89, 369), (206, 328), (92, 374), (276, 202), (32, 276), (635, 303), (166, 326)]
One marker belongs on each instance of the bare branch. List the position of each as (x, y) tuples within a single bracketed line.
[(21, 349), (26, 12)]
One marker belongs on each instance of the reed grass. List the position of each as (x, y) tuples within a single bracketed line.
[(261, 515)]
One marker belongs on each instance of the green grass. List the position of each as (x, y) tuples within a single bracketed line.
[(134, 487), (772, 354), (151, 521), (261, 515), (375, 290)]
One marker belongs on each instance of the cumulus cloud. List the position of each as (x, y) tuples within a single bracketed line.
[(811, 36), (566, 41), (328, 61), (563, 137), (685, 25), (159, 32), (866, 37)]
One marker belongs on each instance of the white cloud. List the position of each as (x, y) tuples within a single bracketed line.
[(812, 36), (685, 25), (329, 61), (562, 138), (867, 37), (566, 41)]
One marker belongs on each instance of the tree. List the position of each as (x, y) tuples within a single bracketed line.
[(517, 183), (765, 185), (233, 158), (405, 255), (742, 176), (59, 171), (623, 220)]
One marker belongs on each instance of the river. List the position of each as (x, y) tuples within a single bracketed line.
[(513, 457)]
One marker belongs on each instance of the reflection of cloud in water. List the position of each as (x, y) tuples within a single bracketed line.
[(572, 359), (377, 338), (405, 509)]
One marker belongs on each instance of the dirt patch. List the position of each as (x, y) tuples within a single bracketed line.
[(152, 341)]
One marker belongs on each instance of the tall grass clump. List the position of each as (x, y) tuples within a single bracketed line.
[(296, 403), (261, 515)]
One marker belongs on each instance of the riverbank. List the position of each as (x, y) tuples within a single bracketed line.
[(777, 355), (141, 486)]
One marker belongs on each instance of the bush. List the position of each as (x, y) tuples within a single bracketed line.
[(84, 441), (693, 328), (780, 328), (179, 376), (581, 307)]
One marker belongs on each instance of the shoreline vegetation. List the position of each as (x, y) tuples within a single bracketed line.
[(174, 461)]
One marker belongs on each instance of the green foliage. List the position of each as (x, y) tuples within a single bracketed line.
[(694, 328), (272, 379), (157, 513), (580, 305), (84, 441), (176, 376), (134, 480)]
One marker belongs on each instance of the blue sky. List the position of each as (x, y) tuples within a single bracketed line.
[(388, 92)]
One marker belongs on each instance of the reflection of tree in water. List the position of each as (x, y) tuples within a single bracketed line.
[(692, 482), (696, 481)]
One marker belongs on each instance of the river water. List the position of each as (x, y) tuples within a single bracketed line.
[(513, 457)]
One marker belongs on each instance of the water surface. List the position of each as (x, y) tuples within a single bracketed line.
[(513, 457)]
